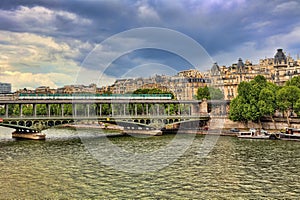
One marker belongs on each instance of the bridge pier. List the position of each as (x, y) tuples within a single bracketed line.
[(48, 108), (21, 110), (74, 109), (34, 109), (6, 110), (100, 110)]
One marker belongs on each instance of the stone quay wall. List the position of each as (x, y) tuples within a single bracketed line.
[(225, 123)]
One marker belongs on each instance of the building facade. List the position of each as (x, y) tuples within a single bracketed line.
[(5, 88), (278, 70), (183, 85)]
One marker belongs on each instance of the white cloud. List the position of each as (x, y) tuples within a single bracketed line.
[(287, 7), (286, 39), (87, 76), (255, 50), (41, 19), (146, 13), (31, 80), (257, 26), (30, 60)]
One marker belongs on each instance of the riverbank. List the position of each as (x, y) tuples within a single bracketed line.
[(223, 122)]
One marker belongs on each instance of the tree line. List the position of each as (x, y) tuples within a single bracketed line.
[(259, 98)]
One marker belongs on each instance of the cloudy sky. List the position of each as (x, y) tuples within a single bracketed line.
[(60, 42)]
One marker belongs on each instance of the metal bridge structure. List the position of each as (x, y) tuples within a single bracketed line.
[(131, 112)]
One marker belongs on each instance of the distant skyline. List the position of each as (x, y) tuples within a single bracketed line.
[(45, 42)]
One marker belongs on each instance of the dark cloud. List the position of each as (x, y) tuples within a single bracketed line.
[(144, 56), (219, 26)]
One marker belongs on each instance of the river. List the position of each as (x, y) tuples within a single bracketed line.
[(64, 166)]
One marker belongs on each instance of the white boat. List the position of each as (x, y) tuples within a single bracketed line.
[(254, 134)]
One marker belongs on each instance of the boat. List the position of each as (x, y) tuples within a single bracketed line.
[(254, 134), (290, 134), (33, 135)]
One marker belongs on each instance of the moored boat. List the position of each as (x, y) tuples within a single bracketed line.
[(290, 134), (253, 134)]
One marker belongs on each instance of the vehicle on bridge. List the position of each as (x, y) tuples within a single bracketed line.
[(93, 96)]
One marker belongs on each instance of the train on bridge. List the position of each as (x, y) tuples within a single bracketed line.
[(93, 96)]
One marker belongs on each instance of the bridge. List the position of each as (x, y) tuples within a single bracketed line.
[(140, 112)]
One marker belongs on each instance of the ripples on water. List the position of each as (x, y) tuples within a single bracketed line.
[(61, 167)]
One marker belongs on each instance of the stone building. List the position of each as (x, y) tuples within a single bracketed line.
[(184, 84), (72, 89), (278, 70)]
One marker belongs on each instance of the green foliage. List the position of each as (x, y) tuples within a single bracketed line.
[(209, 93), (237, 108), (27, 110), (267, 101), (16, 110), (255, 99), (297, 107), (2, 111), (106, 109), (41, 109), (152, 91), (68, 109), (203, 93), (287, 97), (295, 81)]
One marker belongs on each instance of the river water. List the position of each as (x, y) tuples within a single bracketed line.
[(63, 167)]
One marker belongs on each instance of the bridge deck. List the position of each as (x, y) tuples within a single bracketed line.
[(16, 126)]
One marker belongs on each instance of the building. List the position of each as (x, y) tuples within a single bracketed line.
[(278, 70), (44, 90), (5, 88), (183, 85), (73, 89)]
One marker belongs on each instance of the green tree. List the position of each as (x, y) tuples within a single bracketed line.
[(267, 103), (68, 109), (16, 110), (237, 109), (286, 98), (295, 81), (153, 91), (209, 93), (203, 93), (253, 101), (41, 109), (27, 110), (297, 107), (2, 111)]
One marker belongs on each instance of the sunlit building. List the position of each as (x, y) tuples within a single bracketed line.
[(278, 70)]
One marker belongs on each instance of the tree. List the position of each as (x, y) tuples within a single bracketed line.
[(255, 99), (295, 81), (297, 107), (27, 110), (2, 111), (209, 93), (237, 109), (153, 91), (203, 93), (267, 102), (286, 98)]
